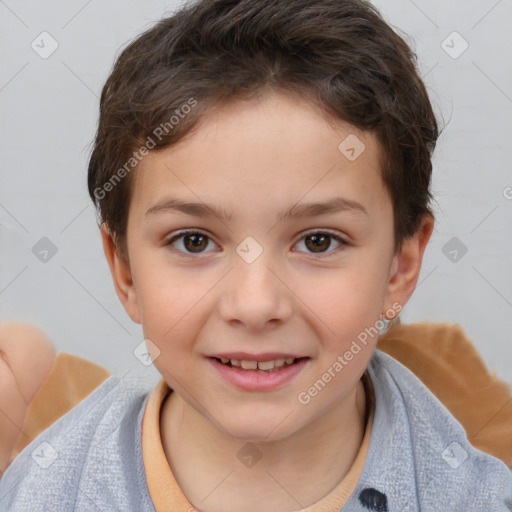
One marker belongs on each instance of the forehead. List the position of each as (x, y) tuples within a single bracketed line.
[(259, 155)]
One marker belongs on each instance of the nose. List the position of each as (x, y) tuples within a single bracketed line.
[(255, 294)]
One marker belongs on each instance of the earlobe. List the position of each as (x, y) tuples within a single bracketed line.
[(406, 265), (121, 275)]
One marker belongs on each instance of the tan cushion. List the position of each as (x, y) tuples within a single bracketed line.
[(446, 361)]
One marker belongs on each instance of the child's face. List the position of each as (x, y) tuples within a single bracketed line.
[(300, 296)]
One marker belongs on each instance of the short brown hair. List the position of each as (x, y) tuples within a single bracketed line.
[(339, 54)]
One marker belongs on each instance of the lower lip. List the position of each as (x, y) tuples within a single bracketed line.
[(252, 380)]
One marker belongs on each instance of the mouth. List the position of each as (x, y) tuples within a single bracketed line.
[(269, 366), (258, 376)]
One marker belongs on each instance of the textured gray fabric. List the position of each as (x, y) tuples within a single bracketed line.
[(419, 458)]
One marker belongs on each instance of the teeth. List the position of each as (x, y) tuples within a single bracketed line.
[(249, 365), (266, 365), (262, 365)]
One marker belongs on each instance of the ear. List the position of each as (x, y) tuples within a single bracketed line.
[(121, 275), (406, 265)]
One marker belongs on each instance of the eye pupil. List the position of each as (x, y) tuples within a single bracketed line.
[(197, 241), (319, 241)]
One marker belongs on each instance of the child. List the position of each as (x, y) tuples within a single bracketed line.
[(290, 143)]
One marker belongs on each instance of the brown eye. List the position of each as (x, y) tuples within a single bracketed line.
[(193, 242), (320, 241)]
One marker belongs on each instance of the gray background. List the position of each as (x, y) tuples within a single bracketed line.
[(49, 109)]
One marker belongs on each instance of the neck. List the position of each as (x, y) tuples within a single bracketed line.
[(292, 473)]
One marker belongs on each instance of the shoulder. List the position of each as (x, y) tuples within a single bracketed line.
[(93, 450), (421, 449)]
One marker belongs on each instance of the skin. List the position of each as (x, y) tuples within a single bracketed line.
[(256, 158)]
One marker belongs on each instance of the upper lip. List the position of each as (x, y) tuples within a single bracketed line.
[(245, 356)]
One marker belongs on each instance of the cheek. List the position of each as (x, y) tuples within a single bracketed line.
[(343, 306), (171, 304), (347, 295)]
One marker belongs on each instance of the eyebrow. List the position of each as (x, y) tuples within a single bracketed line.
[(337, 204)]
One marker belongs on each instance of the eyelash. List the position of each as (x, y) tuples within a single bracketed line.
[(182, 234)]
